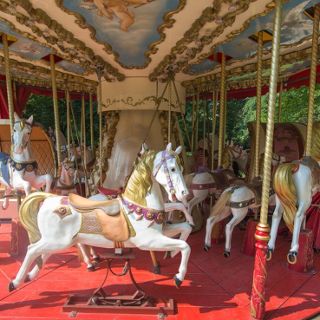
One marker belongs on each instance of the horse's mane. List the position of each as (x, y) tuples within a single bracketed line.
[(140, 181)]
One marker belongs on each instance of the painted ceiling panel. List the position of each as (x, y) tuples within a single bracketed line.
[(129, 27)]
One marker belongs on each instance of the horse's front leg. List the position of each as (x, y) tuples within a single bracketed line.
[(171, 230), (276, 218), (238, 216), (7, 193), (171, 206), (300, 215)]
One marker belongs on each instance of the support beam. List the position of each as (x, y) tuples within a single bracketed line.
[(222, 105), (55, 110), (8, 83), (262, 232), (313, 74), (258, 103)]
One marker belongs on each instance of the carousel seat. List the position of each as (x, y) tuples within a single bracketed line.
[(110, 207)]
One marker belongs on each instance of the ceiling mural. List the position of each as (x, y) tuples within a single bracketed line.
[(130, 29), (241, 47)]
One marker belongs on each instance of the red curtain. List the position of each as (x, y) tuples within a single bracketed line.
[(21, 98), (4, 114)]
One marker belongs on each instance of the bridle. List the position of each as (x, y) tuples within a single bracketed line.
[(22, 124), (236, 153), (164, 157)]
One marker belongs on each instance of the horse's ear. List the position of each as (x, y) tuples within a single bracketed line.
[(178, 150), (16, 117), (231, 143), (169, 147), (30, 120)]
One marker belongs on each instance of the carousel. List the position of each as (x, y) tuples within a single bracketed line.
[(134, 202)]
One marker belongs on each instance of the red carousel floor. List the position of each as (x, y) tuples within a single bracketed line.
[(215, 287)]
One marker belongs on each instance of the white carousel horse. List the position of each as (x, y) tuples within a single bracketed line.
[(64, 185), (19, 170), (235, 200), (294, 184), (140, 210)]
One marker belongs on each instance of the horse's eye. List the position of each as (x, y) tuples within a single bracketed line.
[(173, 170)]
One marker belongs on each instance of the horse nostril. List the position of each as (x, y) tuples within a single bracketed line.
[(184, 192)]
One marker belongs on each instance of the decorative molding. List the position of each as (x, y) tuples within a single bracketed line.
[(152, 48), (208, 15), (55, 36), (41, 77), (129, 101)]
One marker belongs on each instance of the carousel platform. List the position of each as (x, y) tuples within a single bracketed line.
[(215, 287)]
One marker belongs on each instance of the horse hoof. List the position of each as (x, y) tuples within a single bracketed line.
[(27, 278), (177, 282), (156, 269), (97, 259), (11, 287), (292, 257), (91, 268), (226, 254), (269, 254), (207, 248)]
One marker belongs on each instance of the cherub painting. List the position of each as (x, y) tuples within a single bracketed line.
[(118, 9)]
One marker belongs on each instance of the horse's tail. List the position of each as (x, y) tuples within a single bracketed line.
[(286, 191), (222, 202), (28, 214)]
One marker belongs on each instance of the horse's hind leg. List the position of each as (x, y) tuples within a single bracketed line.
[(292, 255), (211, 221), (36, 269), (238, 216), (34, 251), (276, 218), (84, 250)]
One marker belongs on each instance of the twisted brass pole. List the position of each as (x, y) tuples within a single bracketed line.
[(197, 120), (91, 123), (205, 111), (8, 82), (192, 121), (258, 103), (280, 101), (84, 135), (169, 114), (313, 74), (99, 95), (68, 122), (221, 113), (56, 110), (214, 122), (262, 232)]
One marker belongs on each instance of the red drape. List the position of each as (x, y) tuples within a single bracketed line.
[(20, 99), (4, 114)]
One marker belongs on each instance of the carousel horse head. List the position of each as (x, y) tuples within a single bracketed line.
[(21, 133), (165, 168), (68, 168)]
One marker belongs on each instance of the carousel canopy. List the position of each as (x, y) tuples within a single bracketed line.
[(150, 39)]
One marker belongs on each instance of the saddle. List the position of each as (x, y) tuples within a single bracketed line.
[(103, 217)]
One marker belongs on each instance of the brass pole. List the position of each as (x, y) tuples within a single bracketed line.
[(196, 137), (84, 136), (204, 129), (225, 115), (262, 231), (99, 95), (56, 110), (193, 121), (8, 82), (280, 101), (68, 123), (91, 123), (258, 103), (169, 113), (214, 122), (222, 105), (313, 74)]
